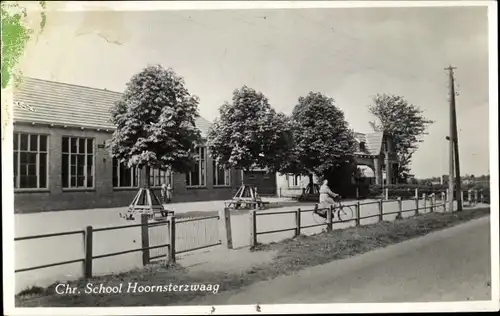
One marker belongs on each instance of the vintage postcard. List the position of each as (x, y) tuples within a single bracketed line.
[(249, 157)]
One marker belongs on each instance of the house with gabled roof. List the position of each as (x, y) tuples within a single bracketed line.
[(60, 160), (374, 153)]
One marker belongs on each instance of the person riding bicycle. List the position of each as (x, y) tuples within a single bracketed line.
[(326, 197)]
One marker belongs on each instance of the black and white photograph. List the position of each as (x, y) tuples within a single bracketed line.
[(249, 157)]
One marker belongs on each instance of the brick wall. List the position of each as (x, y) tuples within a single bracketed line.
[(103, 194)]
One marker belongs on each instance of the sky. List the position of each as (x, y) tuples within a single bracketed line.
[(350, 54)]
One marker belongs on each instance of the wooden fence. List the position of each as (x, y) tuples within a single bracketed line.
[(170, 226), (473, 198)]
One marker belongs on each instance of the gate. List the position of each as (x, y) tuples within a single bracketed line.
[(190, 234)]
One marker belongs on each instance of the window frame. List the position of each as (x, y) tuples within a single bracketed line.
[(131, 170), (151, 173), (297, 178), (69, 153), (200, 164), (215, 175), (18, 151)]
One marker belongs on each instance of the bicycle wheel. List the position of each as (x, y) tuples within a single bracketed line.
[(345, 213)]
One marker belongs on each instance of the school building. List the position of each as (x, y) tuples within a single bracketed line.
[(60, 160)]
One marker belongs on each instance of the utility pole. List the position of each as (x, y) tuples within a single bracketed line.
[(454, 153)]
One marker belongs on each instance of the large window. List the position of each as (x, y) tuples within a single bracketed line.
[(77, 162), (158, 177), (123, 176), (30, 161), (221, 175), (294, 180), (198, 177)]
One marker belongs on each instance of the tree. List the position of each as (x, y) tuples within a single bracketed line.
[(405, 123), (322, 140), (155, 123), (249, 134), (15, 36)]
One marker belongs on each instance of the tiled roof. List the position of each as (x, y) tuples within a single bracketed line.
[(373, 143), (50, 102)]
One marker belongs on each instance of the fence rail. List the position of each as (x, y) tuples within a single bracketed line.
[(433, 205)]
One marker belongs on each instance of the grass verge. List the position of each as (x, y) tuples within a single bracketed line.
[(292, 255)]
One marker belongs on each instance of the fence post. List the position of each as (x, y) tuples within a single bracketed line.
[(416, 207), (87, 269), (475, 196), (172, 239), (482, 196), (469, 197), (380, 210), (145, 239), (329, 219), (357, 193), (432, 199), (400, 208), (253, 228), (416, 193), (358, 213), (297, 222), (387, 193), (225, 221), (424, 197), (462, 196)]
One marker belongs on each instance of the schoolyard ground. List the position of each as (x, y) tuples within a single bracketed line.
[(44, 251)]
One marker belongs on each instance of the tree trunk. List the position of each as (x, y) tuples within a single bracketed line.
[(145, 172)]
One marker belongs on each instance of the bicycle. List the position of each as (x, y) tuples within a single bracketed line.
[(342, 212)]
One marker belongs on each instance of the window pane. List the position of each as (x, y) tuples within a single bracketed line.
[(202, 152), (74, 145), (115, 172), (64, 169), (136, 176), (81, 145), (125, 179), (90, 146), (23, 181), (43, 142), (203, 173), (81, 160), (33, 143), (90, 160), (80, 170), (16, 141), (16, 165), (65, 144), (73, 181), (24, 158), (90, 179), (32, 181), (220, 176), (195, 175), (73, 170), (80, 181), (24, 142), (32, 169), (42, 170), (31, 158), (73, 160), (188, 183)]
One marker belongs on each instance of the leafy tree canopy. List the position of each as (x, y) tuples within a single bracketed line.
[(15, 36), (322, 138), (155, 121), (249, 133), (405, 122)]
